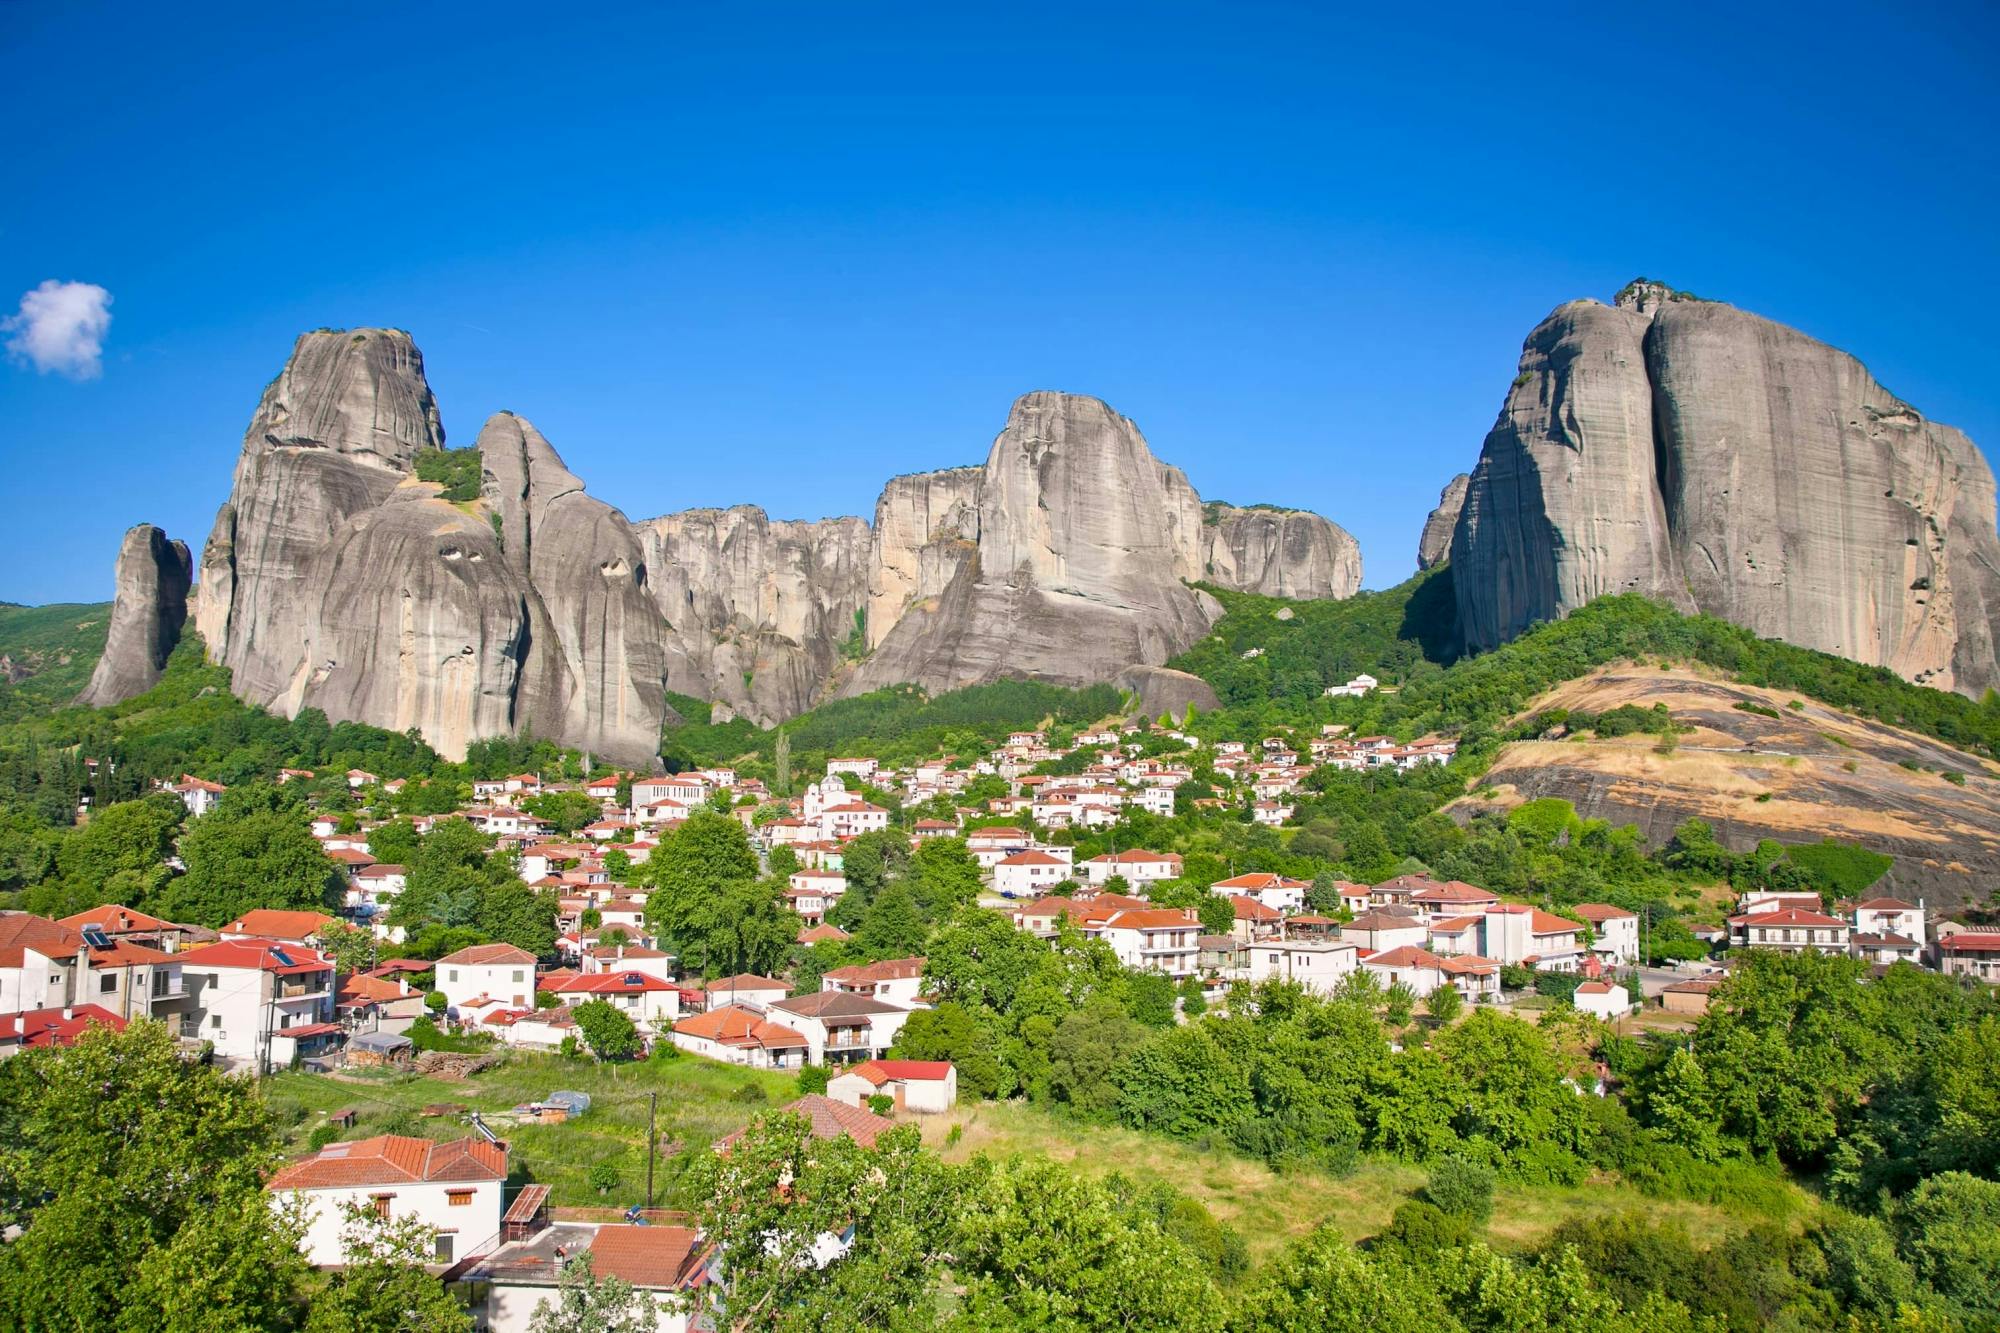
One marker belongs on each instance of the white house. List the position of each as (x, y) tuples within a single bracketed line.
[(1603, 999), (650, 1002), (501, 973), (1790, 930), (1616, 929), (746, 988), (522, 1275), (1029, 874), (454, 1189), (898, 981), (1138, 867), (925, 1087), (864, 769), (741, 1035), (1317, 964), (840, 1027), (1890, 916), (1273, 891), (1161, 939), (259, 1001), (1515, 933)]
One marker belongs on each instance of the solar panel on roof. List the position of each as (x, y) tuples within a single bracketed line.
[(284, 959), (634, 979), (95, 937)]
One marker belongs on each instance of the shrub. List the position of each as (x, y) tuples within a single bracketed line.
[(457, 470), (321, 1136), (881, 1103), (435, 1002), (750, 1094), (603, 1176), (1419, 1229), (813, 1078), (1461, 1188)]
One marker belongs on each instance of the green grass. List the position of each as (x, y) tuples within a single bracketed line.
[(699, 1102), (1272, 1211)]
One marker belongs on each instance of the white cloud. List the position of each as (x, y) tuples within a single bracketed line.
[(61, 328)]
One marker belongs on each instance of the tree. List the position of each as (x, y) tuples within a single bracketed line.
[(944, 876), (770, 1199), (1444, 1004), (1325, 1286), (119, 856), (587, 1303), (1039, 1246), (254, 860), (1085, 1049), (688, 872), (1216, 914), (1949, 1230), (383, 1283), (1399, 1004), (568, 811), (1462, 1188), (135, 1173), (1149, 996), (949, 1031), (607, 1029), (515, 914), (893, 926)]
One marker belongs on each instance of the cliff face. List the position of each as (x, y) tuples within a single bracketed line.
[(336, 579), (335, 432), (1722, 462), (1434, 546), (1280, 553), (1077, 569), (146, 616), (756, 612), (591, 576)]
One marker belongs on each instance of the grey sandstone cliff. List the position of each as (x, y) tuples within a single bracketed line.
[(1078, 569), (336, 579), (147, 614), (1722, 462), (1434, 546), (757, 612), (1279, 553)]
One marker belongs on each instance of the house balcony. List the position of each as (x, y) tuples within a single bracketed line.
[(291, 991)]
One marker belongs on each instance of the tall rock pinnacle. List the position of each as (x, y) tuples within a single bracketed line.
[(1721, 462), (146, 616)]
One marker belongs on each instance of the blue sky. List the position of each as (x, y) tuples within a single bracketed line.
[(776, 254)]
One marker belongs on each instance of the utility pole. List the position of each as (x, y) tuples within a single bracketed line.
[(652, 1111)]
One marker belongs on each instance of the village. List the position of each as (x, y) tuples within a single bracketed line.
[(266, 993)]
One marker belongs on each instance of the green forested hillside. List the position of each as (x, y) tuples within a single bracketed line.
[(49, 653)]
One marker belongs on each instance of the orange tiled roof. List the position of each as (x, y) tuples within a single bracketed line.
[(391, 1159)]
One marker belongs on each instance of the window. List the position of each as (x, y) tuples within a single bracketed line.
[(380, 1203), (107, 983), (451, 974), (215, 1020), (458, 1198), (519, 976), (444, 1247)]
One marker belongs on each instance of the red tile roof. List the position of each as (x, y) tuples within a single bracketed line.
[(1968, 941), (487, 954), (114, 919), (393, 1159), (38, 1028), (20, 931), (658, 1258), (889, 969), (879, 1072), (1599, 913), (735, 1025), (831, 1119), (1259, 881), (276, 925), (1407, 956), (261, 954), (1790, 916)]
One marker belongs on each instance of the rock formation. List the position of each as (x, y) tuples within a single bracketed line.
[(146, 616), (1164, 691), (1721, 462), (758, 614), (1434, 547), (1078, 569), (336, 578), (1065, 558), (590, 574), (1279, 553)]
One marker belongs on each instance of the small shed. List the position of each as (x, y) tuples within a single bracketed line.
[(379, 1048)]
